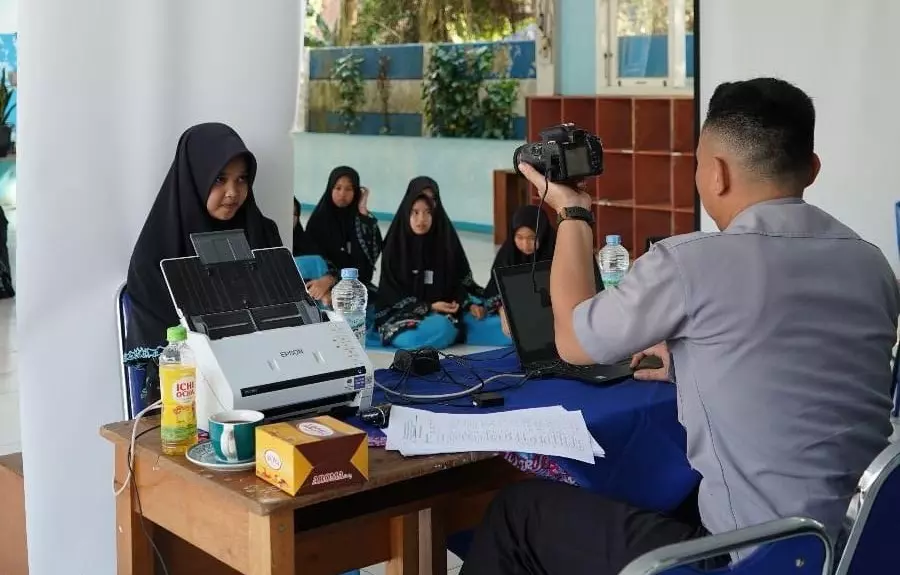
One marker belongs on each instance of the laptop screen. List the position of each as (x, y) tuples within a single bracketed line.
[(528, 312)]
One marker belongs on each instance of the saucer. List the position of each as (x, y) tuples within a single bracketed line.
[(204, 455)]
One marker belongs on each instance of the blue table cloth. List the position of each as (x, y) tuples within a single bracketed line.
[(635, 422)]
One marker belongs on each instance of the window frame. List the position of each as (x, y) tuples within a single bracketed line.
[(608, 80)]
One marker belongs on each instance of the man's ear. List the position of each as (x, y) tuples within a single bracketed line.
[(814, 169), (721, 176)]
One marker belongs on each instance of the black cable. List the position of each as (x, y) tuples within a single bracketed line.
[(398, 393), (537, 225), (137, 496)]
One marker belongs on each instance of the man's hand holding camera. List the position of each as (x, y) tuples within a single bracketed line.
[(566, 154), (558, 196)]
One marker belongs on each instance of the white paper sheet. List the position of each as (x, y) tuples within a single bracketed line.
[(545, 431)]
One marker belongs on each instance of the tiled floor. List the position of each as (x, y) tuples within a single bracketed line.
[(479, 249)]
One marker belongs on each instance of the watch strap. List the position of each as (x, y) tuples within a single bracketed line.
[(575, 213)]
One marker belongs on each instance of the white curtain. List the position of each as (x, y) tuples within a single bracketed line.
[(844, 54), (106, 87)]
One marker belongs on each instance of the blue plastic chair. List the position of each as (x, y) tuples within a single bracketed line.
[(792, 546), (132, 376), (121, 330), (872, 520)]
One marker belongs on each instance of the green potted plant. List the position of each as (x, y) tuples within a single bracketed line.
[(6, 108)]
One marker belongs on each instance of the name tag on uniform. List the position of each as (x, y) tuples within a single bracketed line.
[(429, 277)]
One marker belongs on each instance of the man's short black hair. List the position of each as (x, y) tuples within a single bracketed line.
[(770, 122)]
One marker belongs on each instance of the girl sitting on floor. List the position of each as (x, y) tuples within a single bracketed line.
[(425, 185), (344, 230), (521, 246), (421, 294), (209, 187), (307, 255), (530, 236)]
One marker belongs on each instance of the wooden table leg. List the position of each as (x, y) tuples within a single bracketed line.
[(432, 542), (134, 555), (272, 544), (404, 545)]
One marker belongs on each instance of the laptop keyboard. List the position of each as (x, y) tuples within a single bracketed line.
[(560, 367)]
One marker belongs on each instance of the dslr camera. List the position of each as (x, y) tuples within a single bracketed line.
[(565, 154)]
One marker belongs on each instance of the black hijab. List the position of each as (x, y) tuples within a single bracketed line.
[(509, 254), (414, 189), (179, 211), (333, 228), (303, 244), (408, 256)]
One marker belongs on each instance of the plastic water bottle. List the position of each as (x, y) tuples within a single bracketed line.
[(177, 383), (349, 299), (614, 261)]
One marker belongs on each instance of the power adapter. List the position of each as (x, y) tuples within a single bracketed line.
[(487, 399), (417, 362)]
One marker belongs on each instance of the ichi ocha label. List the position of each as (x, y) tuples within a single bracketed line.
[(178, 389)]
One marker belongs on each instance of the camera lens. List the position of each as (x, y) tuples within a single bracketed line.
[(531, 154)]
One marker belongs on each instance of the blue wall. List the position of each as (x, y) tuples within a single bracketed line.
[(462, 167), (405, 70)]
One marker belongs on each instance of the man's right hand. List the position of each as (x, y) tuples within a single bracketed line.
[(660, 350), (445, 307), (558, 195)]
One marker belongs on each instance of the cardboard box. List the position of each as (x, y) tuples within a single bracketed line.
[(311, 454)]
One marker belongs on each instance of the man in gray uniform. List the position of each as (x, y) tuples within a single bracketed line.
[(780, 329)]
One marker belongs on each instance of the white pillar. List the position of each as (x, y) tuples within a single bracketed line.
[(105, 90), (843, 55)]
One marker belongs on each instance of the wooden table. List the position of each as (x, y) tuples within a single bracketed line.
[(208, 522)]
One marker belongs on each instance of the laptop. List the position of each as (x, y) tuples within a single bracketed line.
[(530, 317)]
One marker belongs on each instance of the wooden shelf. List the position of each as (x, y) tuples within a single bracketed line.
[(647, 187), (510, 192)]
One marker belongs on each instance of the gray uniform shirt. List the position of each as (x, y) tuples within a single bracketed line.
[(780, 330)]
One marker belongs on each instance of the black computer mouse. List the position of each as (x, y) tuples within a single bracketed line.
[(649, 362)]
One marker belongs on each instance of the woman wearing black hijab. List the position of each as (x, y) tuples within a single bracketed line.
[(344, 230), (422, 276), (209, 187), (308, 256), (303, 243), (426, 185), (530, 237)]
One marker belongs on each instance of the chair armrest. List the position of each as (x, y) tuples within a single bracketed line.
[(689, 552)]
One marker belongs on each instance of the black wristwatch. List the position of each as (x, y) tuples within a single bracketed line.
[(575, 213)]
